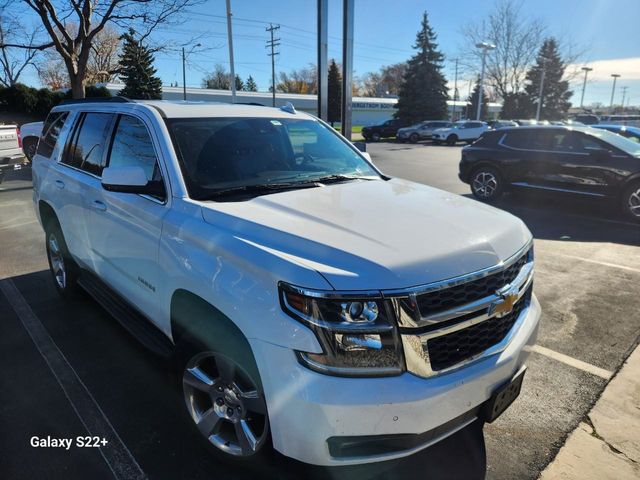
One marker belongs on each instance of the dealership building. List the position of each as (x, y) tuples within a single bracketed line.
[(365, 110)]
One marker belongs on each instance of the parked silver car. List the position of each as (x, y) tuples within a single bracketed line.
[(420, 131)]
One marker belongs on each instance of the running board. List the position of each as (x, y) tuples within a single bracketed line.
[(133, 321)]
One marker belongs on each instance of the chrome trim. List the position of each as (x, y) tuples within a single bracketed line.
[(555, 189), (423, 368), (520, 284)]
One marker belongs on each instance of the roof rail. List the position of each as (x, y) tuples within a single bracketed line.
[(118, 99)]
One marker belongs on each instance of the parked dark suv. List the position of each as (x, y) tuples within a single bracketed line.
[(385, 130), (574, 160)]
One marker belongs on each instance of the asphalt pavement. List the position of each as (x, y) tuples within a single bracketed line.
[(587, 280)]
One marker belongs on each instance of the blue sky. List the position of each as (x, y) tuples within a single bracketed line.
[(385, 31)]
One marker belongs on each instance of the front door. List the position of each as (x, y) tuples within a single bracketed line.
[(125, 228)]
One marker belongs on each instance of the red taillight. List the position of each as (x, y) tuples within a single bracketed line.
[(19, 137)]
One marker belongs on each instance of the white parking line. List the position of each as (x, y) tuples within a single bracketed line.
[(115, 453), (598, 262), (572, 362)]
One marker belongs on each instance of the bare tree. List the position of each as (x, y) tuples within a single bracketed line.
[(219, 79), (13, 61), (91, 17), (52, 71), (517, 39), (104, 57)]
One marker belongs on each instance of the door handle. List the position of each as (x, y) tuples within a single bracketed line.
[(98, 205), (59, 184)]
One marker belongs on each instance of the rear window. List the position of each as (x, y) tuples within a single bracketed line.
[(50, 132)]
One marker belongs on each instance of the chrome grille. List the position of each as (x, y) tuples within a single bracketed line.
[(447, 324)]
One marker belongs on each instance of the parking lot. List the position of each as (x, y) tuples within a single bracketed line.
[(587, 280)]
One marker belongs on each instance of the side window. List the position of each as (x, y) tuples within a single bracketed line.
[(132, 146), (50, 132), (586, 143), (86, 150), (516, 139)]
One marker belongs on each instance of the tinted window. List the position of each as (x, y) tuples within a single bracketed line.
[(558, 141), (132, 146), (588, 144), (50, 132), (473, 125), (517, 139), (86, 150)]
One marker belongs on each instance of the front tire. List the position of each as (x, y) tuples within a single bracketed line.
[(486, 184), (224, 402), (375, 137), (631, 202), (63, 268), (414, 138)]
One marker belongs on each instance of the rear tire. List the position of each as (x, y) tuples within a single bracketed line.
[(486, 184), (64, 270), (452, 140), (631, 202), (375, 137), (29, 146), (414, 138)]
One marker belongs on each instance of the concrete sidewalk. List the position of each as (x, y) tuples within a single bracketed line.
[(607, 444)]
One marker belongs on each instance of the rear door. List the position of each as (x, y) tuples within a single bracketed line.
[(125, 228)]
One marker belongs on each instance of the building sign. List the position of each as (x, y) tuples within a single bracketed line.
[(372, 106)]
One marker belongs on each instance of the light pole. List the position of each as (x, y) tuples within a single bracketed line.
[(485, 46), (184, 74), (544, 70), (613, 90), (230, 42), (586, 71), (455, 94)]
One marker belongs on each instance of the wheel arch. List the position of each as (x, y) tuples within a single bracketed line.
[(195, 320), (46, 212)]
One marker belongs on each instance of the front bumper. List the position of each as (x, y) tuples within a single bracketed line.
[(308, 411)]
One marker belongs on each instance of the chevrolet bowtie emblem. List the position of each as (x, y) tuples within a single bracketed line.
[(503, 306)]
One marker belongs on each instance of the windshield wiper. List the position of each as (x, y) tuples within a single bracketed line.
[(341, 178), (260, 188)]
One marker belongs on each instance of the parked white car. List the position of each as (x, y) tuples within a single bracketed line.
[(465, 131), (11, 157), (30, 134), (309, 302)]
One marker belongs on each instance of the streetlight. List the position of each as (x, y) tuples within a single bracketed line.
[(485, 46), (544, 70), (184, 74), (613, 90), (586, 71)]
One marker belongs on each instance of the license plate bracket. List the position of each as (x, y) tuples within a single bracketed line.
[(503, 397)]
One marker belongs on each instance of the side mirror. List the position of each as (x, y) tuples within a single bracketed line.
[(130, 180), (362, 146)]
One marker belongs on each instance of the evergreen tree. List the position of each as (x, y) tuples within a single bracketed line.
[(251, 85), (472, 110), (423, 93), (517, 105), (137, 71), (239, 83), (555, 92), (334, 86)]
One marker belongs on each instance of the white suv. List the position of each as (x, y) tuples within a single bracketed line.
[(465, 131), (310, 303)]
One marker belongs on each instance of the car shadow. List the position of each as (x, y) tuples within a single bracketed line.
[(560, 217)]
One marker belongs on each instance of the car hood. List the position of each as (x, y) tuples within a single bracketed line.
[(370, 235)]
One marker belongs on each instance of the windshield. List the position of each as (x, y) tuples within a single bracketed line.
[(618, 141), (224, 153)]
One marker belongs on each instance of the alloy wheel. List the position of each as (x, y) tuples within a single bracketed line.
[(225, 404), (634, 203), (57, 261), (484, 184)]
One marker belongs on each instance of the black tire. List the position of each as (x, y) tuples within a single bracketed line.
[(64, 270), (223, 396), (29, 146), (631, 202), (452, 140), (375, 137), (414, 137), (486, 184)]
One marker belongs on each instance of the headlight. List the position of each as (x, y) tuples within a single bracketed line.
[(358, 333)]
